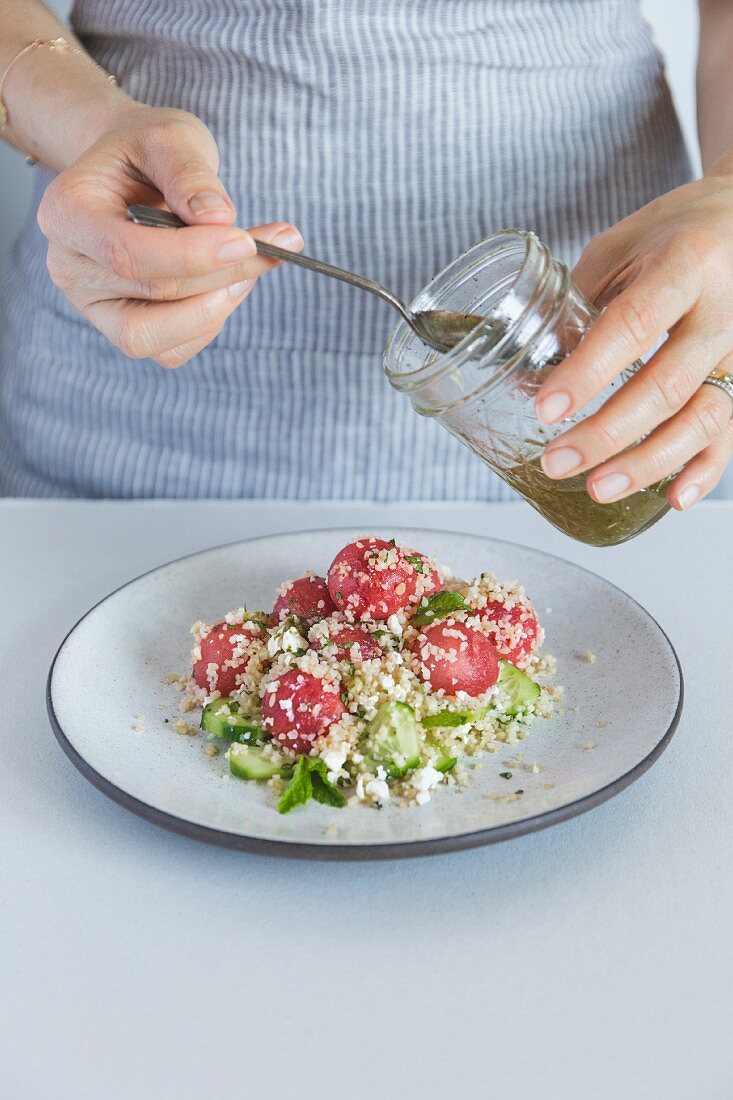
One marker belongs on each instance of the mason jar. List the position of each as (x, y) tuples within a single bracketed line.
[(483, 390)]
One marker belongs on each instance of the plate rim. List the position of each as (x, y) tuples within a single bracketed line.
[(357, 852)]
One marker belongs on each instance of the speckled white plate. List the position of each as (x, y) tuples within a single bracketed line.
[(107, 700)]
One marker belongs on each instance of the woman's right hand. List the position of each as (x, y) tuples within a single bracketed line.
[(156, 293)]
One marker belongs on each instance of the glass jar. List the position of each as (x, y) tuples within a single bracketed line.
[(483, 390)]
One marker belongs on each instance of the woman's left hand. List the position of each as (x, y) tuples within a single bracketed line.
[(666, 268)]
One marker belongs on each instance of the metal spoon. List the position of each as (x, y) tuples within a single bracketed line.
[(439, 328)]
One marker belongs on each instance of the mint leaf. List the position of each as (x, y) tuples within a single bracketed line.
[(323, 790), (310, 780), (299, 789), (326, 793), (438, 607)]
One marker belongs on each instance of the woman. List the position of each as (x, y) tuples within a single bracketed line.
[(393, 135)]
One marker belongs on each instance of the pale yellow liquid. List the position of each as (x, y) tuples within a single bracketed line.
[(566, 504)]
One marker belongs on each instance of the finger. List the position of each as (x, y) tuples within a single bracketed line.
[(175, 357), (72, 270), (653, 395), (702, 422), (179, 156), (632, 323), (179, 354), (703, 473), (147, 329)]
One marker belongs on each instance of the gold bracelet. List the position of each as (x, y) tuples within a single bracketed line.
[(59, 44)]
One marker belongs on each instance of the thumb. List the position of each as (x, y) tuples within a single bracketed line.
[(180, 158)]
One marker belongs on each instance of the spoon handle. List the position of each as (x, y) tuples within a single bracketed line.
[(164, 219)]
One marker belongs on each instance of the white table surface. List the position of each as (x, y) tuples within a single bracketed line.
[(590, 960)]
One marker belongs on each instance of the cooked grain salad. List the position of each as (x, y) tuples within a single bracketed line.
[(373, 683)]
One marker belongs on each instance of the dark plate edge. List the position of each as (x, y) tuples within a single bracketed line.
[(343, 852)]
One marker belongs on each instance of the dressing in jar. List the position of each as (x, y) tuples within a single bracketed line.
[(483, 390)]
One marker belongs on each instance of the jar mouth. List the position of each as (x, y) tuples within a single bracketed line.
[(503, 296)]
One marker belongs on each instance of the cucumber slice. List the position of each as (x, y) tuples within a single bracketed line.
[(392, 739), (447, 718), (442, 760), (520, 690), (224, 718), (248, 763)]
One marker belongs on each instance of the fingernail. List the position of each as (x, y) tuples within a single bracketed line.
[(206, 201), (689, 496), (561, 461), (288, 238), (239, 288), (552, 408), (610, 486), (232, 252)]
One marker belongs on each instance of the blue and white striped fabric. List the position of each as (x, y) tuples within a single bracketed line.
[(394, 134)]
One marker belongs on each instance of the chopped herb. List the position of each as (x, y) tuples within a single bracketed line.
[(417, 561), (439, 606), (519, 792), (379, 633), (505, 775), (310, 780), (323, 791), (392, 542), (299, 789), (360, 712)]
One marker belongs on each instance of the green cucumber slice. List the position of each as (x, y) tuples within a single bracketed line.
[(442, 760), (247, 762), (392, 739), (521, 691), (224, 718), (447, 718)]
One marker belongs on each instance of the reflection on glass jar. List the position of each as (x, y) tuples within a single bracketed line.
[(483, 390)]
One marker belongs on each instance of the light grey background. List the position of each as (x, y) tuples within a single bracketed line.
[(675, 26)]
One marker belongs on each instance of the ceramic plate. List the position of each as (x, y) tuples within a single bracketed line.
[(107, 700)]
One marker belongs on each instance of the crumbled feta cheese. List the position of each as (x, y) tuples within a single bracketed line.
[(334, 759), (394, 625), (377, 789), (423, 780), (286, 640)]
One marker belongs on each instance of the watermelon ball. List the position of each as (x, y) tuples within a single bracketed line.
[(428, 580), (308, 598), (515, 630), (225, 652), (300, 708), (371, 579), (455, 657), (352, 643)]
